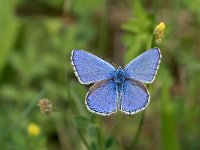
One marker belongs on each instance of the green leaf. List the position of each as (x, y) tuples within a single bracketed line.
[(77, 91), (8, 30), (81, 122), (109, 143), (139, 11), (169, 139)]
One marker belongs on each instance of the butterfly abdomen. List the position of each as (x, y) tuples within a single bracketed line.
[(119, 80)]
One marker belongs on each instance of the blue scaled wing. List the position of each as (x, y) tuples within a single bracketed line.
[(89, 68), (135, 97), (144, 67), (101, 98)]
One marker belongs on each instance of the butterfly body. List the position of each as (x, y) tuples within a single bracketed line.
[(119, 79), (116, 89)]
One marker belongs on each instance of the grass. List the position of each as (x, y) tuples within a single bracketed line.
[(36, 40)]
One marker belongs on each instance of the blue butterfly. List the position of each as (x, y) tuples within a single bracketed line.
[(116, 89)]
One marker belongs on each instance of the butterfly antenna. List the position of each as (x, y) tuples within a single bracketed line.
[(110, 62)]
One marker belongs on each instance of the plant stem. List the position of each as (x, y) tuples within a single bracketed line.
[(83, 138), (135, 141), (5, 132), (99, 135), (72, 104)]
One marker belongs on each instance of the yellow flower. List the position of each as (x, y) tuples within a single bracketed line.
[(33, 129), (159, 32)]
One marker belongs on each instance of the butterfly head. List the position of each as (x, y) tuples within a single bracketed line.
[(119, 76)]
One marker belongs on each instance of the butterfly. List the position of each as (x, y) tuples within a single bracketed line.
[(116, 89)]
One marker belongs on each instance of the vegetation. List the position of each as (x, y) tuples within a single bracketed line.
[(36, 40)]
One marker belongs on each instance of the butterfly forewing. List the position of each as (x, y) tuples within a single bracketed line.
[(144, 67), (89, 68)]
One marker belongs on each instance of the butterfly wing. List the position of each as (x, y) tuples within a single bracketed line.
[(89, 68), (144, 67), (135, 97), (101, 98)]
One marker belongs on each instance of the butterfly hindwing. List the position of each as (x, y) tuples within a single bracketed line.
[(135, 97), (144, 67), (101, 98), (89, 68)]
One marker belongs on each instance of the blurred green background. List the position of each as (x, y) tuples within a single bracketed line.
[(36, 39)]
